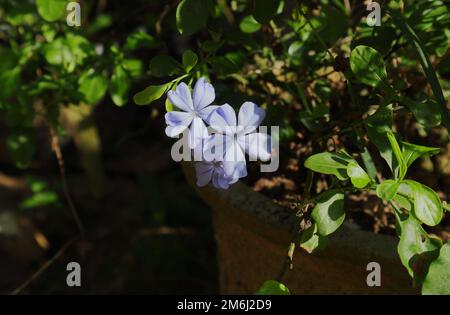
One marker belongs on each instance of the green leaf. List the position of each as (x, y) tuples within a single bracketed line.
[(189, 60), (427, 67), (249, 25), (191, 16), (311, 241), (10, 82), (21, 144), (222, 65), (119, 86), (358, 176), (411, 152), (139, 39), (427, 205), (387, 189), (92, 86), (150, 94), (39, 199), (404, 202), (9, 73), (437, 280), (265, 10), (368, 66), (68, 51), (415, 248), (272, 287), (163, 66), (381, 38), (369, 163), (333, 24), (328, 214), (427, 113), (211, 45), (378, 125), (134, 67), (402, 168), (329, 163), (51, 10)]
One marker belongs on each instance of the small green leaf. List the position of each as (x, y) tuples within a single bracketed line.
[(10, 82), (427, 113), (51, 10), (39, 199), (358, 176), (119, 86), (150, 94), (192, 15), (272, 287), (311, 241), (387, 189), (369, 163), (249, 25), (402, 168), (163, 66), (368, 66), (189, 60), (328, 214), (138, 40), (133, 67), (411, 152), (437, 280), (427, 205), (329, 163), (265, 10), (415, 248), (377, 125), (92, 86)]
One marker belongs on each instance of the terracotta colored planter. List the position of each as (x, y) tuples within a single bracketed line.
[(253, 235)]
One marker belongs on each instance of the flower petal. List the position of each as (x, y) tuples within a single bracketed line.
[(181, 97), (204, 172), (203, 94), (206, 112), (223, 119), (175, 118), (174, 131), (257, 146), (250, 117), (219, 181), (197, 132), (234, 163)]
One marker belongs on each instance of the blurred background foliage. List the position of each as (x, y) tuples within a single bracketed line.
[(146, 230)]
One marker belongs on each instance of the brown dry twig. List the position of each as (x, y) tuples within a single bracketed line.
[(62, 170)]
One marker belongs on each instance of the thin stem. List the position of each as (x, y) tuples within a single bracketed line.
[(287, 263), (43, 268), (62, 171)]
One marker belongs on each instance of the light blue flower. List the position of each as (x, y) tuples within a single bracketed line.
[(194, 111), (239, 136), (213, 172)]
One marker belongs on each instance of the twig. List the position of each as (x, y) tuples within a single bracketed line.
[(287, 263), (62, 170), (43, 268)]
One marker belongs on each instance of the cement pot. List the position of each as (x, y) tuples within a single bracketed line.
[(253, 235)]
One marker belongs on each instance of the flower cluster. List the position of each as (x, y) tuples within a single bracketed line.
[(224, 144)]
